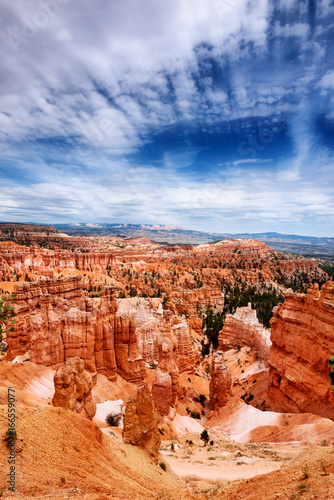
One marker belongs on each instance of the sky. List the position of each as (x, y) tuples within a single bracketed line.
[(215, 115)]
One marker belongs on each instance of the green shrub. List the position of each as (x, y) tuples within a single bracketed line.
[(205, 437), (331, 364), (11, 436), (113, 420), (195, 414), (163, 466)]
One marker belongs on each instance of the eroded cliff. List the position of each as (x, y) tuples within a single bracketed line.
[(243, 329), (302, 342), (56, 321)]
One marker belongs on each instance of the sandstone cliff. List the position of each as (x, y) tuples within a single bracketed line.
[(303, 340), (243, 329), (73, 388), (147, 315), (56, 321), (51, 263), (148, 319), (140, 423), (220, 383)]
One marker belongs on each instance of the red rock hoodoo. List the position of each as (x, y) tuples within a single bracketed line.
[(140, 423), (166, 378), (73, 388), (220, 383)]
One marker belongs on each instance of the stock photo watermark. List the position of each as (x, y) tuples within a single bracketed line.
[(258, 142), (23, 33), (11, 439)]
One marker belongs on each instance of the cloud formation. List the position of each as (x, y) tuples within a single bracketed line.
[(211, 114)]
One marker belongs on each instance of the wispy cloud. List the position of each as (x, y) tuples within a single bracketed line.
[(123, 110)]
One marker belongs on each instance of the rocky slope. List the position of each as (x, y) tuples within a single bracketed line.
[(64, 455), (302, 342)]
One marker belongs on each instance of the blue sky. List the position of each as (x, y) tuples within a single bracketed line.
[(215, 115)]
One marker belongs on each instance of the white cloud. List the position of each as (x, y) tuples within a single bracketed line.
[(327, 81), (297, 29), (252, 160), (49, 89)]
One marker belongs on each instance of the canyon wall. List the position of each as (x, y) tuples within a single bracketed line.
[(56, 321), (243, 329), (51, 263), (147, 314), (302, 342), (247, 248)]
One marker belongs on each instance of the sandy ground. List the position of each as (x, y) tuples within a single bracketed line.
[(225, 460), (225, 469)]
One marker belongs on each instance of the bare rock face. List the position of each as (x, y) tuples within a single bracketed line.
[(220, 383), (186, 354), (148, 319), (50, 263), (140, 423), (73, 386), (147, 316), (56, 321), (166, 378), (303, 340), (243, 329), (130, 364)]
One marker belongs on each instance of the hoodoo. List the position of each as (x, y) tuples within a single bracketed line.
[(73, 388)]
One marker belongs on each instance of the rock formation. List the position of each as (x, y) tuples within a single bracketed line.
[(140, 423), (147, 315), (186, 354), (148, 319), (243, 329), (252, 248), (51, 263), (220, 383), (73, 386), (130, 364), (303, 340), (56, 321), (166, 378)]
